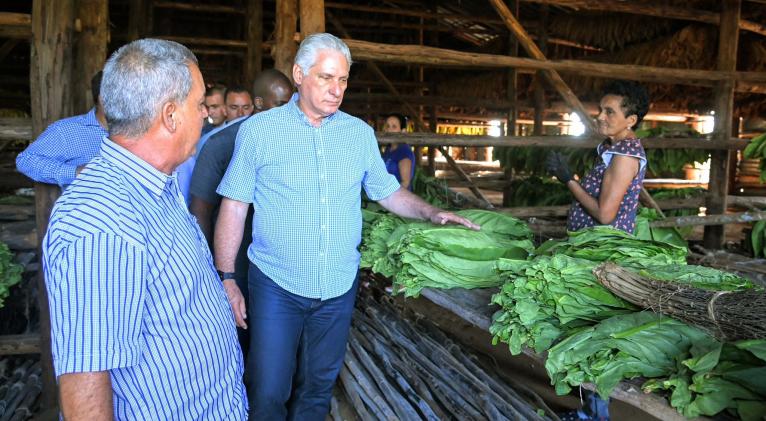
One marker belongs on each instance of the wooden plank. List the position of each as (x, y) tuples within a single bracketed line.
[(708, 220), (653, 9), (718, 186), (475, 190), (89, 50), (416, 54), (15, 25), (312, 17), (285, 48), (253, 62), (19, 344), (551, 75), (430, 139)]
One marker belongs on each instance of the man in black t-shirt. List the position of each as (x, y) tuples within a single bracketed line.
[(270, 89)]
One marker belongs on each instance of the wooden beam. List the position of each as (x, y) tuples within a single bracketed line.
[(201, 8), (430, 139), (285, 48), (709, 220), (207, 42), (312, 17), (15, 129), (416, 54), (89, 50), (15, 25), (430, 100), (718, 186), (20, 344), (254, 39), (653, 9), (411, 13), (53, 24), (551, 75), (475, 190)]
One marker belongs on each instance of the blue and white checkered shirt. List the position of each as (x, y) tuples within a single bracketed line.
[(305, 185), (133, 291), (65, 145)]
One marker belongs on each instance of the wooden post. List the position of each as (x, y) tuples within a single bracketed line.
[(51, 97), (254, 38), (90, 50), (285, 48), (728, 40), (312, 17), (512, 95), (539, 94), (137, 19)]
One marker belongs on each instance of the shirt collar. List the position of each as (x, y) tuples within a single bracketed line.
[(90, 118), (296, 110), (154, 180)]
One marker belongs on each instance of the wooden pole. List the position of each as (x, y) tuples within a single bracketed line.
[(416, 54), (312, 17), (51, 96), (728, 40), (512, 96), (285, 48), (137, 19), (90, 50), (254, 37), (475, 190), (538, 53)]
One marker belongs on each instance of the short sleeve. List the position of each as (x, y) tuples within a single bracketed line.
[(630, 147), (96, 290), (208, 173), (239, 181), (377, 182)]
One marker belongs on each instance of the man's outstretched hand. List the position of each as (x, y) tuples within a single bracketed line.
[(443, 218)]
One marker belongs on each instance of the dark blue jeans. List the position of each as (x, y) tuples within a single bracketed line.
[(297, 346)]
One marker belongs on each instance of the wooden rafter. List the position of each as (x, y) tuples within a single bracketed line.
[(197, 7), (417, 54), (411, 13), (15, 25), (653, 9)]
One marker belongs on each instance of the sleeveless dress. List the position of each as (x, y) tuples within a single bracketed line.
[(579, 218)]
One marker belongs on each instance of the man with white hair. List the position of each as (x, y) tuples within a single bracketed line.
[(302, 166), (140, 324)]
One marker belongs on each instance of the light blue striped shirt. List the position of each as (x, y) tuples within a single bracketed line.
[(54, 156), (133, 291), (305, 185)]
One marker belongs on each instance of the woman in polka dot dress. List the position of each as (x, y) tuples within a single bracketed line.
[(608, 195)]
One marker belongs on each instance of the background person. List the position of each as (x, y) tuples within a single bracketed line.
[(398, 157)]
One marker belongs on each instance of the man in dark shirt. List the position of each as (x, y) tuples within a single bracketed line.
[(270, 89)]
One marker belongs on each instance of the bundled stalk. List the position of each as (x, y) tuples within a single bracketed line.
[(397, 369), (728, 315)]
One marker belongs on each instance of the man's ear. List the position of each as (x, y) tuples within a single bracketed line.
[(258, 102), (168, 116), (297, 74)]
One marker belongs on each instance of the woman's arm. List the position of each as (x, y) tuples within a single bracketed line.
[(617, 178), (405, 172)]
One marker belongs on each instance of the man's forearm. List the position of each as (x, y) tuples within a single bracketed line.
[(404, 203), (86, 396), (228, 233)]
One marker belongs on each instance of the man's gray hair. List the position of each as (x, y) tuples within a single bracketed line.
[(139, 78), (311, 46)]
